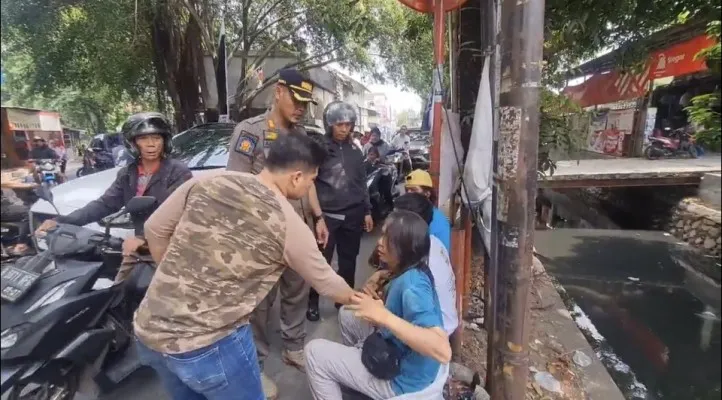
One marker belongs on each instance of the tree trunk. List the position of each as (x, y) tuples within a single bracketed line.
[(178, 59)]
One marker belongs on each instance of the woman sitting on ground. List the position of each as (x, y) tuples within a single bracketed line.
[(408, 323)]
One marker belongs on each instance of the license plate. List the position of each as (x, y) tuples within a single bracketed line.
[(16, 282)]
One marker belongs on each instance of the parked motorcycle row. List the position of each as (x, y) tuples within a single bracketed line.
[(66, 326)]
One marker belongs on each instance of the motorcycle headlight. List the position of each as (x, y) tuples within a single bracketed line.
[(8, 339), (51, 296)]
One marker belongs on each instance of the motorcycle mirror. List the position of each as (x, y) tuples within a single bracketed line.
[(139, 204), (43, 192)]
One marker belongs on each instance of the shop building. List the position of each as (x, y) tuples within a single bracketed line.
[(632, 105), (20, 125)]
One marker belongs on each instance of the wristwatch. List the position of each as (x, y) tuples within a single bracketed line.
[(317, 218)]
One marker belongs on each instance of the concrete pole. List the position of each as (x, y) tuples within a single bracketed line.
[(522, 36)]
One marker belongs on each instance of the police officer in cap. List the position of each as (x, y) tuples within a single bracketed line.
[(249, 147)]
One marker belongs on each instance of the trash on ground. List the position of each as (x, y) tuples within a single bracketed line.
[(581, 359), (548, 382)]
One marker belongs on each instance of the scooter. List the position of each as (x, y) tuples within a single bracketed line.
[(66, 327), (678, 144), (373, 178), (47, 172), (14, 231), (95, 161)]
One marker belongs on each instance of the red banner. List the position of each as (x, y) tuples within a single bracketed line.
[(614, 86), (680, 59)]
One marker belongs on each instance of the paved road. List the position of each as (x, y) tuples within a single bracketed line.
[(72, 168), (143, 385)]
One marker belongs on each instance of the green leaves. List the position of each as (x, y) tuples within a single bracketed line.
[(704, 110)]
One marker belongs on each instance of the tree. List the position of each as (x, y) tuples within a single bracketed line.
[(96, 109), (705, 109), (156, 48), (79, 59)]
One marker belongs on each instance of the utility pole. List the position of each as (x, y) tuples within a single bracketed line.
[(522, 36)]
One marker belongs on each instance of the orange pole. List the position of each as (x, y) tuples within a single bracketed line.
[(435, 166)]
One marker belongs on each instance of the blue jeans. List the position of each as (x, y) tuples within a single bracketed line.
[(227, 369)]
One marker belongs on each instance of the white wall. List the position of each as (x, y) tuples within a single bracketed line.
[(357, 95)]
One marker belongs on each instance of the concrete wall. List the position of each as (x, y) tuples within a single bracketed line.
[(698, 225), (710, 190)]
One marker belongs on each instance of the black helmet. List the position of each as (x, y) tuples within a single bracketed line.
[(146, 123), (338, 112)]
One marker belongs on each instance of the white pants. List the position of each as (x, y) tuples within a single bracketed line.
[(331, 366)]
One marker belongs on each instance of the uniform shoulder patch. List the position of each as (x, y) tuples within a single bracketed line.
[(246, 143)]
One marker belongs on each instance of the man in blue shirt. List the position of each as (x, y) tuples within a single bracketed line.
[(419, 181)]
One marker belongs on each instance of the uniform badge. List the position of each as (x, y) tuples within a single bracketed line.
[(269, 137), (246, 143)]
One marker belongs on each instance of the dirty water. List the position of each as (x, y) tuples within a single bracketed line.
[(654, 324)]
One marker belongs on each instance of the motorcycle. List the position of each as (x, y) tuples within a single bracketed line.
[(679, 143), (66, 327), (373, 177), (95, 161), (397, 157), (419, 152), (14, 239), (47, 172)]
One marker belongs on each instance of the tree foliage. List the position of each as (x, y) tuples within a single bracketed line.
[(705, 109), (155, 49)]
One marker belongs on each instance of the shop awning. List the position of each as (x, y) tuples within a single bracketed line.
[(21, 119), (676, 60)]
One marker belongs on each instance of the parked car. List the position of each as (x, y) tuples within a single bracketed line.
[(204, 147)]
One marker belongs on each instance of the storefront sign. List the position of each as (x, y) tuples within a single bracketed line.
[(608, 130), (50, 122), (614, 86), (29, 120), (680, 59), (23, 120)]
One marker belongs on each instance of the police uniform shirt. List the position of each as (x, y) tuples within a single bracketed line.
[(249, 147)]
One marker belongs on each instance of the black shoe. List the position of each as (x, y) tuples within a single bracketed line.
[(312, 314)]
